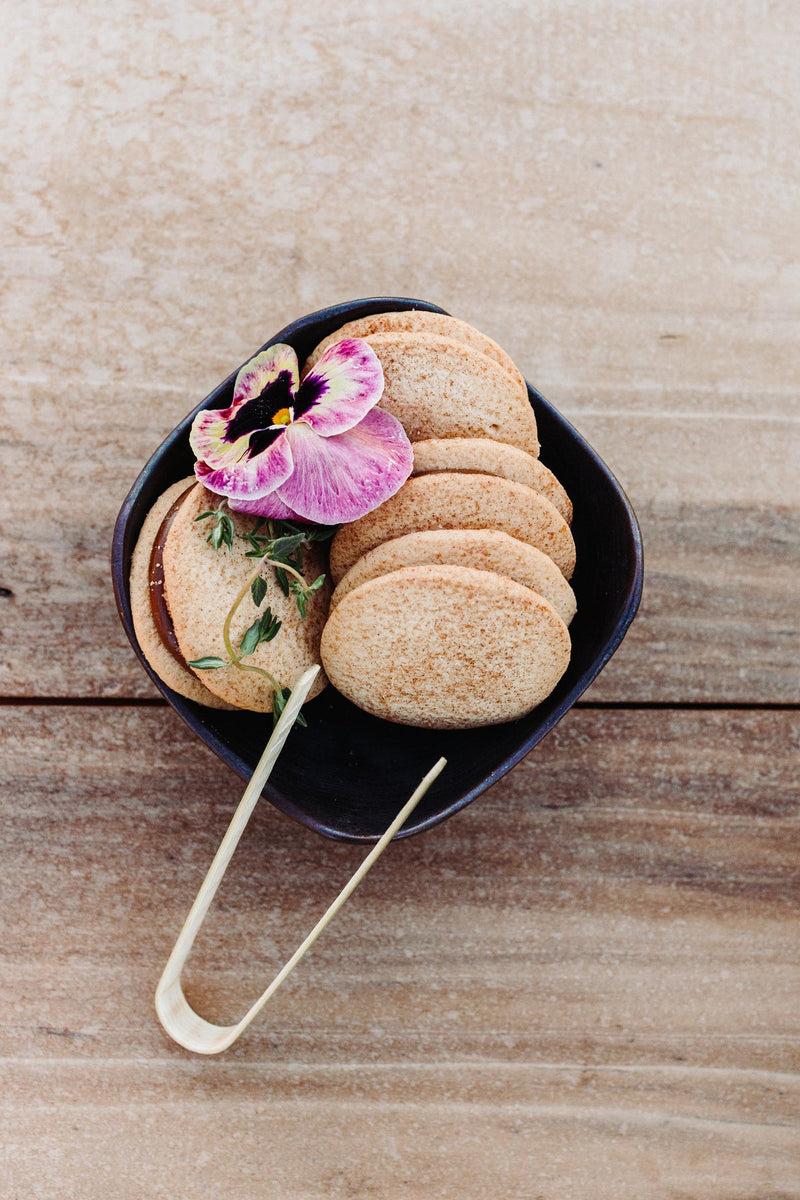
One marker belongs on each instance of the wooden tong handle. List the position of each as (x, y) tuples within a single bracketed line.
[(178, 1018)]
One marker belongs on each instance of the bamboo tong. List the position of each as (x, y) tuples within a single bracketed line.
[(178, 1018)]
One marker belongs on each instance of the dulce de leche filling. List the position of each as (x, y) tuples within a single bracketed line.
[(158, 600)]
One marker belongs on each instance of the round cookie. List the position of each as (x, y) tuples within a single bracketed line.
[(491, 458), (439, 387), (453, 500), (168, 669), (481, 549), (445, 647), (200, 585), (419, 320)]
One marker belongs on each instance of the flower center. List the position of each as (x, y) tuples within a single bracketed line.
[(265, 415), (284, 416)]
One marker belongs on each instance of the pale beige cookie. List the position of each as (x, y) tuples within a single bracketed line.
[(445, 647), (439, 387), (481, 549), (491, 458), (168, 669), (450, 500), (201, 584), (419, 320)]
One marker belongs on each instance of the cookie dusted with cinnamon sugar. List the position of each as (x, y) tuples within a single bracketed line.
[(491, 458), (438, 387), (445, 647), (455, 500), (481, 549), (421, 320)]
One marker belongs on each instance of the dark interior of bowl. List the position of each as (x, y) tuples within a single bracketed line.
[(347, 774)]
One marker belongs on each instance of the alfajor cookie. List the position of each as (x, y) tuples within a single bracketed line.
[(448, 500), (491, 458), (481, 549), (200, 585), (445, 647), (419, 320), (164, 662)]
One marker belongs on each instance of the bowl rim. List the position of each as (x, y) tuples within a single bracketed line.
[(191, 713)]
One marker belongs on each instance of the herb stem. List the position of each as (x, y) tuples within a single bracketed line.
[(284, 566), (226, 631)]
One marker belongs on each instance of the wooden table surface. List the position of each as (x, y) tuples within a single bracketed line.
[(587, 984)]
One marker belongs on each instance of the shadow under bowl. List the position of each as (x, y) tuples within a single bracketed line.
[(347, 774)]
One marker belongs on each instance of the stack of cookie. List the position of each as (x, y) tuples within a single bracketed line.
[(452, 599)]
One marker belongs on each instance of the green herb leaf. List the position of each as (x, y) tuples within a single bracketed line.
[(256, 541), (268, 626), (222, 530), (302, 593), (263, 629), (210, 663), (279, 704), (282, 547), (310, 533), (250, 639), (282, 580), (321, 533), (227, 530), (258, 589)]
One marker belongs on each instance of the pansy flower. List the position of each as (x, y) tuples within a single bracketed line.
[(318, 449)]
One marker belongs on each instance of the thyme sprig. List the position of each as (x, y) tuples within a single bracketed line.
[(278, 544), (283, 542), (221, 532), (303, 593)]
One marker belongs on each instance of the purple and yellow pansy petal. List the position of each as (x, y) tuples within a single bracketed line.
[(271, 507), (249, 478), (338, 479), (220, 436), (264, 369), (343, 387), (208, 438)]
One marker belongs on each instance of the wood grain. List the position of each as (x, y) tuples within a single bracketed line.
[(585, 984), (628, 235)]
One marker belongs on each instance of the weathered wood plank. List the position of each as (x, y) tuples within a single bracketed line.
[(629, 237), (570, 1135), (585, 983)]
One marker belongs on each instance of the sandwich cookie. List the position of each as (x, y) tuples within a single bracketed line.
[(450, 500), (419, 320), (481, 549), (445, 647), (491, 458), (156, 641), (201, 584)]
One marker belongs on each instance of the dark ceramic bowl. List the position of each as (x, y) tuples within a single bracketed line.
[(348, 773)]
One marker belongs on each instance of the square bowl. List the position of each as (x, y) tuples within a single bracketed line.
[(348, 773)]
